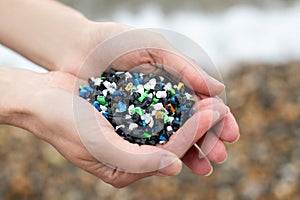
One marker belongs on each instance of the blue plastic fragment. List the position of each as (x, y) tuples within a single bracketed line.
[(117, 93), (135, 75), (191, 112), (144, 123), (140, 80), (122, 107), (88, 88), (162, 138), (136, 82), (97, 106), (177, 119), (105, 114), (83, 93), (182, 108), (173, 99)]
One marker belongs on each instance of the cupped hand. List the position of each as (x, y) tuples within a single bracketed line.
[(47, 104), (104, 43), (119, 162), (152, 53)]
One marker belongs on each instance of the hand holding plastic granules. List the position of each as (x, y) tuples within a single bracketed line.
[(49, 108)]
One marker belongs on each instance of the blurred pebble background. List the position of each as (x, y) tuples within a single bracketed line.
[(255, 44)]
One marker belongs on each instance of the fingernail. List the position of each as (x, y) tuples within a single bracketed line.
[(210, 172), (237, 139), (170, 165), (215, 82), (221, 162)]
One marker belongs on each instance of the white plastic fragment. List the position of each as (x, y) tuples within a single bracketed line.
[(168, 86), (140, 89), (127, 117), (161, 94), (169, 128), (151, 84), (171, 119), (103, 108), (147, 86), (111, 87), (151, 122), (97, 81), (132, 126), (104, 92), (130, 108), (146, 117), (120, 126), (153, 112), (187, 95), (128, 75), (161, 78), (158, 106), (162, 142), (106, 84)]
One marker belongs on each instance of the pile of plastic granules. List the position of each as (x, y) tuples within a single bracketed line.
[(143, 108)]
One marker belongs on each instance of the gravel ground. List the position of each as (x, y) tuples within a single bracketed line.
[(264, 164)]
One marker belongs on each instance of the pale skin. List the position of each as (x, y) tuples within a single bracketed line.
[(43, 31)]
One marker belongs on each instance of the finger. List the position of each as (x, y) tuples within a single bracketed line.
[(100, 139), (193, 75), (213, 148), (227, 129), (138, 47), (209, 112), (197, 163), (118, 178)]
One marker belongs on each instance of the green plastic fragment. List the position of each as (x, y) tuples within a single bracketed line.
[(102, 101), (144, 96), (192, 99), (138, 110), (82, 86), (141, 98), (172, 91), (103, 77), (154, 100), (147, 135), (166, 118)]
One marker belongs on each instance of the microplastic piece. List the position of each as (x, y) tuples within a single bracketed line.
[(145, 109)]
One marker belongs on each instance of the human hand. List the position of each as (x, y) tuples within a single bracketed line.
[(50, 115), (97, 32), (153, 54), (65, 48)]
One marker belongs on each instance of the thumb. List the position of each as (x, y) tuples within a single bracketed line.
[(99, 138)]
